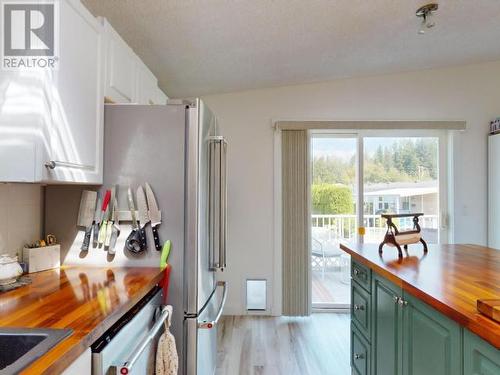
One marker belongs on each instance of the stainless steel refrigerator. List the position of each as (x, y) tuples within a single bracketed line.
[(177, 148)]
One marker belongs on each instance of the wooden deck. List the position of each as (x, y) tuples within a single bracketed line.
[(330, 289)]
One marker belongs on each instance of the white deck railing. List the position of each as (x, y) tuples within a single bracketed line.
[(344, 227)]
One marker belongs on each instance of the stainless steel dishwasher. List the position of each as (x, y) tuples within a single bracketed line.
[(129, 346)]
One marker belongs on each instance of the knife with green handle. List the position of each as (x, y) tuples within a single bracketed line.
[(165, 253), (115, 231), (104, 218), (109, 230)]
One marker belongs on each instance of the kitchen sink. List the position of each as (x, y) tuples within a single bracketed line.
[(21, 346)]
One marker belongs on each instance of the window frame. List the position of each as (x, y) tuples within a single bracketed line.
[(444, 231)]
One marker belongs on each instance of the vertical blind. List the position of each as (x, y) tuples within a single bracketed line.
[(295, 223)]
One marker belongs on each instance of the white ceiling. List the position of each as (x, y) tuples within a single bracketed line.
[(198, 47)]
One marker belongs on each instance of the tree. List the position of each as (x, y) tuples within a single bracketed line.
[(331, 199), (404, 160), (333, 170)]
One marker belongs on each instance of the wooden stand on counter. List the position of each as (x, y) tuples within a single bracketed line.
[(394, 237)]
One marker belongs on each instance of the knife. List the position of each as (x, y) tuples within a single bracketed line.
[(154, 215), (142, 206), (104, 217), (134, 243), (109, 223), (115, 232), (86, 215), (96, 222)]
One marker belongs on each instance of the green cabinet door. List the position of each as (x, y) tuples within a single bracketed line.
[(361, 309), (386, 328), (432, 342), (480, 358), (360, 353)]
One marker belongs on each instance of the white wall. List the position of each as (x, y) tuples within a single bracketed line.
[(470, 93), (20, 218)]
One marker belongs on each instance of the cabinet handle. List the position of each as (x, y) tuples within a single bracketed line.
[(400, 301), (52, 164), (127, 365), (359, 307), (358, 356), (358, 273)]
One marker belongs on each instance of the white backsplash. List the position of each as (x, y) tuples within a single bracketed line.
[(21, 218)]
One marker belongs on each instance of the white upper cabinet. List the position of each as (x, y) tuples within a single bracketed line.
[(160, 97), (51, 121), (76, 138), (120, 67), (127, 78), (146, 84)]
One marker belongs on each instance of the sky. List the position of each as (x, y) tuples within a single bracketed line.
[(345, 148)]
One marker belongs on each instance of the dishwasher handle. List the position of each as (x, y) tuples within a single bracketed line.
[(126, 367), (213, 323)]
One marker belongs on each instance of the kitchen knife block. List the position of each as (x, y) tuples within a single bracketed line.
[(42, 258)]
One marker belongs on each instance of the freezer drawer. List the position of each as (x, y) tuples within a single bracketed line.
[(201, 334), (121, 342)]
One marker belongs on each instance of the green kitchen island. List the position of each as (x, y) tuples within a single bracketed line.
[(417, 315)]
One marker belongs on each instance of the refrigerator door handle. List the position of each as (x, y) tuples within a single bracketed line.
[(212, 231), (217, 202), (223, 204), (213, 323)]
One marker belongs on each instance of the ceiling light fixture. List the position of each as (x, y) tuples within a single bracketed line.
[(426, 12)]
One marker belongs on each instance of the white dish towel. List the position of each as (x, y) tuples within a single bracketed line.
[(167, 361)]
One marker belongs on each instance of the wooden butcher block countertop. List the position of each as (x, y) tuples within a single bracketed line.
[(450, 278), (87, 300)]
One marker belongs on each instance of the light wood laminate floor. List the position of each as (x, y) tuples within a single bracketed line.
[(315, 345)]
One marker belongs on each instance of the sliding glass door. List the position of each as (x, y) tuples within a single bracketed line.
[(356, 178), (400, 176), (333, 207)]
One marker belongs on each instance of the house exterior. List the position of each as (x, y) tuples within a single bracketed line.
[(402, 198)]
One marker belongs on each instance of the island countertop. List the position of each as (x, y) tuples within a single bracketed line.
[(87, 300), (450, 278)]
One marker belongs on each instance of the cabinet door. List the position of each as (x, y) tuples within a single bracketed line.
[(360, 353), (81, 366), (387, 328), (160, 97), (361, 274), (24, 121), (76, 131), (146, 84), (361, 309), (480, 358), (120, 65), (432, 342)]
